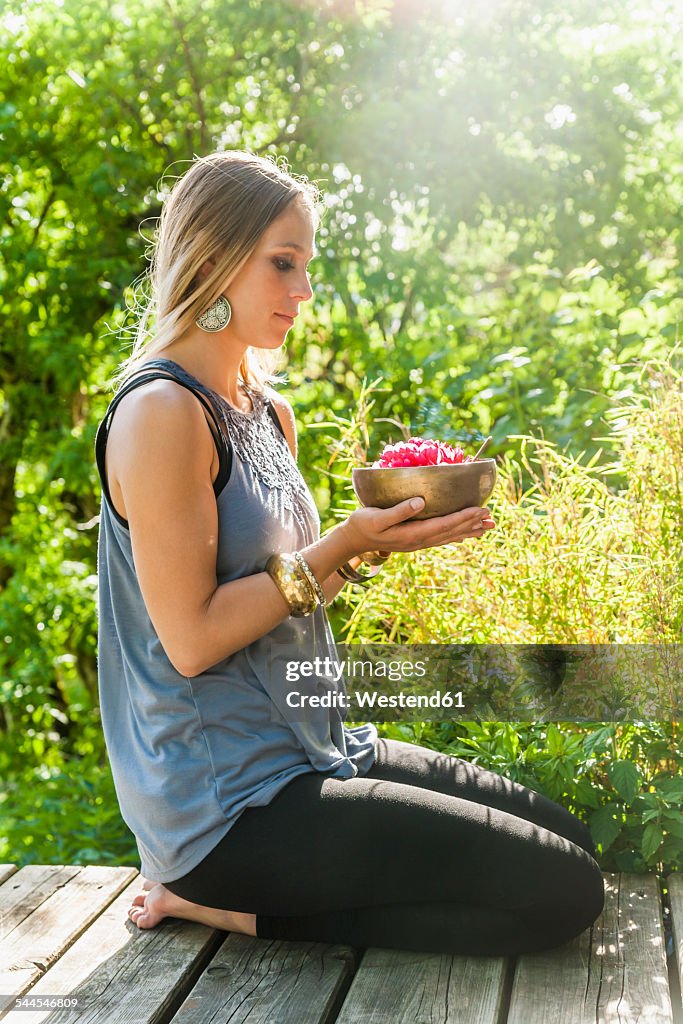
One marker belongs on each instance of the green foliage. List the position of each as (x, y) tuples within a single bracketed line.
[(67, 814), (624, 781), (500, 247)]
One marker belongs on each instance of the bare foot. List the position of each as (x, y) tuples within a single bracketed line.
[(158, 902)]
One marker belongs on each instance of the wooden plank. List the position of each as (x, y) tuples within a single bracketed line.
[(675, 885), (614, 973), (399, 987), (25, 890), (48, 908), (6, 870), (120, 973), (264, 980)]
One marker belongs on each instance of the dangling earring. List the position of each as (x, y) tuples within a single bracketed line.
[(216, 317)]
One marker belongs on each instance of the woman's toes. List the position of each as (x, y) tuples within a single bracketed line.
[(143, 918), (146, 911)]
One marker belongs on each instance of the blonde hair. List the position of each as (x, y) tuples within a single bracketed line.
[(218, 209)]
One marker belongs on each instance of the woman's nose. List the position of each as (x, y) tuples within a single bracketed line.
[(302, 288)]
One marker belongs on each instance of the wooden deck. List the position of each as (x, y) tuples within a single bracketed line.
[(64, 934)]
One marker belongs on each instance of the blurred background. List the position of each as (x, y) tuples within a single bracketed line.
[(499, 254)]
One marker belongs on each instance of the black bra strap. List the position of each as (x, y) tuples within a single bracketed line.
[(222, 443), (272, 412), (163, 364)]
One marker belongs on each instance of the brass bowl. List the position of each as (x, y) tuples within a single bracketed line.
[(449, 487)]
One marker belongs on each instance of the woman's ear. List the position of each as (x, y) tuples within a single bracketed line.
[(207, 267)]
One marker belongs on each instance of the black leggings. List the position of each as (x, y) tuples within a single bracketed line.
[(427, 852)]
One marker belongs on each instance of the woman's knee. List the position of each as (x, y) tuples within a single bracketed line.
[(565, 823), (581, 898), (575, 830), (585, 839)]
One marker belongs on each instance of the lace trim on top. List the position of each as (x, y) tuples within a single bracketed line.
[(257, 441)]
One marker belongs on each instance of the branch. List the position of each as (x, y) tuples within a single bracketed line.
[(180, 26), (132, 109), (48, 203), (295, 102), (349, 304), (409, 303), (411, 290)]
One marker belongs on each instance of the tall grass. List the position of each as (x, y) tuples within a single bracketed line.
[(583, 552)]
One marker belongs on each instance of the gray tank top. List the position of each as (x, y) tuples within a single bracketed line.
[(189, 755)]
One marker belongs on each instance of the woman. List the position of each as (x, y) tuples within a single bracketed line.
[(209, 553)]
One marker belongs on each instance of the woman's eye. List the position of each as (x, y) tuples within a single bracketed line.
[(282, 264)]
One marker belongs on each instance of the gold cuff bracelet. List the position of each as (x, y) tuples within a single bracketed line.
[(288, 576)]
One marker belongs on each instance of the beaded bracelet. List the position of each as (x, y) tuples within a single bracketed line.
[(310, 576)]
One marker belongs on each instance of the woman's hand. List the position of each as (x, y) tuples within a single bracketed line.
[(387, 529)]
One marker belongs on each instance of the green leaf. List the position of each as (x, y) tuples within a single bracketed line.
[(670, 789), (604, 826), (586, 792), (652, 839), (633, 321), (598, 740), (674, 826), (625, 778)]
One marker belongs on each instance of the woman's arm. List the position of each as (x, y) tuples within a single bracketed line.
[(333, 584), (163, 455)]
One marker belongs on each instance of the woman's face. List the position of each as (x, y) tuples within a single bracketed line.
[(266, 293)]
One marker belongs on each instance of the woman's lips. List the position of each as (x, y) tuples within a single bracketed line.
[(288, 319)]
